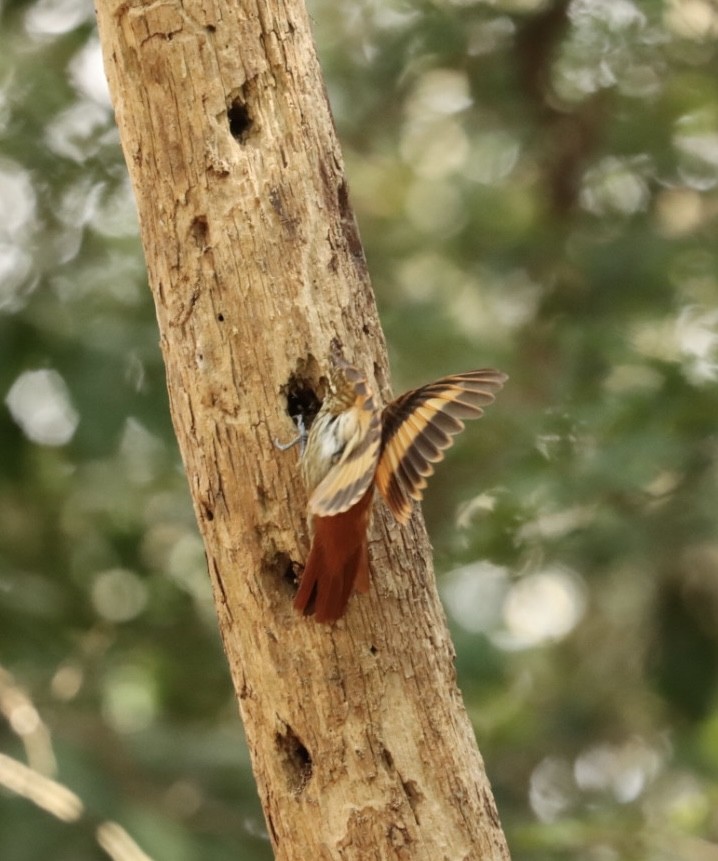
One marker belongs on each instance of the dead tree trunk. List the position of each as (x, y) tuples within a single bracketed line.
[(359, 740)]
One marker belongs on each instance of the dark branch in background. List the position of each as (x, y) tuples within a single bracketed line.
[(572, 134)]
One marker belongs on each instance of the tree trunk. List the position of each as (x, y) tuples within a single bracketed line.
[(359, 740)]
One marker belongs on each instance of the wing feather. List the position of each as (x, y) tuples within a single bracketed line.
[(424, 445), (418, 427), (350, 477), (435, 412)]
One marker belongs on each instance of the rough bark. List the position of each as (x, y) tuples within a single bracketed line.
[(359, 740)]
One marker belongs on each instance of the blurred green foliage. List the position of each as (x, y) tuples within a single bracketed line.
[(536, 186)]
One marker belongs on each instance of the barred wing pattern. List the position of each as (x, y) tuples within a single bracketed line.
[(418, 427)]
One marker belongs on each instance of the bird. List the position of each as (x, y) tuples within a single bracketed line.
[(352, 447)]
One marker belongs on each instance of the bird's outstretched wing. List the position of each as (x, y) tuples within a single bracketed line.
[(418, 427)]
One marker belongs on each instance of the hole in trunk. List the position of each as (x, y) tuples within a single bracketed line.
[(295, 758)]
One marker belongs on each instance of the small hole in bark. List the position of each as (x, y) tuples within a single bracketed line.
[(200, 230), (302, 399), (295, 759), (210, 28), (413, 795), (220, 317), (208, 513), (240, 123), (387, 757), (373, 650), (283, 567)]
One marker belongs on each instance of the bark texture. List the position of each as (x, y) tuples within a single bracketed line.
[(359, 739)]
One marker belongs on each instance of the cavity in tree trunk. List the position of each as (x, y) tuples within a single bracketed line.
[(359, 740)]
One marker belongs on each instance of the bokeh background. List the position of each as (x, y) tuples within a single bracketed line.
[(537, 189)]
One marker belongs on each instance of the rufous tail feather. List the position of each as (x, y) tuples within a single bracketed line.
[(338, 562)]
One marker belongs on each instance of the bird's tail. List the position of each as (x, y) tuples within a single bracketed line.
[(338, 562)]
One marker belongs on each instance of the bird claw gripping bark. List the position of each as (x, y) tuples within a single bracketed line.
[(354, 446), (300, 438)]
